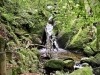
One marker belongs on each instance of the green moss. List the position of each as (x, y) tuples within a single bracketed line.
[(69, 63), (36, 51), (27, 61), (97, 58), (54, 64), (80, 38), (93, 45), (90, 48), (88, 51), (83, 71), (8, 16)]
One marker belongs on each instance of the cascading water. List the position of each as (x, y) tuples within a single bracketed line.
[(52, 50), (51, 43)]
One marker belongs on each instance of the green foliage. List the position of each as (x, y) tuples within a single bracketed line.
[(36, 51), (27, 61), (30, 16), (80, 38)]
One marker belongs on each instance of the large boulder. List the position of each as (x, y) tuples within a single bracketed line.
[(54, 64), (90, 48), (80, 38), (96, 70), (93, 61), (83, 36), (82, 71), (69, 64)]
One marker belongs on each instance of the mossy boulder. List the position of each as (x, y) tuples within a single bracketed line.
[(64, 36), (54, 64), (96, 70), (60, 73), (93, 61), (88, 51), (69, 64), (82, 71), (80, 38), (90, 48), (97, 58)]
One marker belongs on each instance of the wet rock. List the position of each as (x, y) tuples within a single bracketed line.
[(54, 64), (96, 70), (93, 61), (60, 73), (82, 71), (69, 63)]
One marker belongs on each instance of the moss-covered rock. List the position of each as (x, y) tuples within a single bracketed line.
[(54, 64), (80, 38), (60, 73), (69, 64), (97, 58), (96, 70), (83, 71), (89, 51), (83, 36), (90, 48), (93, 61)]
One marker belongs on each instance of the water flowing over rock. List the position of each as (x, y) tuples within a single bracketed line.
[(49, 39)]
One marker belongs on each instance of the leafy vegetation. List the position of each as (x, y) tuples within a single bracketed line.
[(22, 23)]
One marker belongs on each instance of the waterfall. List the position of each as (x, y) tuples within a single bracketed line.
[(50, 38)]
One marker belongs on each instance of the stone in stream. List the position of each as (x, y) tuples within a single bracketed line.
[(96, 70), (82, 71), (69, 63), (93, 61), (53, 65)]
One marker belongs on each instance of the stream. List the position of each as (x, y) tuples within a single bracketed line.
[(52, 50)]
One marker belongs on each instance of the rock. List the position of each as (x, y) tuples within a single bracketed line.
[(96, 70), (97, 59), (88, 51), (80, 38), (69, 63), (93, 61), (91, 48), (54, 64), (60, 73), (79, 66), (82, 71), (62, 43)]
